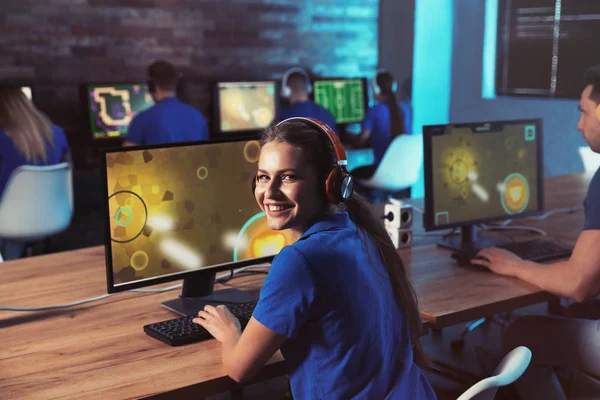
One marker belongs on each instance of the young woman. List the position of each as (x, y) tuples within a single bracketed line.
[(27, 137), (337, 302)]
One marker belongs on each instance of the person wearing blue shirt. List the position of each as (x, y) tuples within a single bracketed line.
[(27, 137), (296, 87), (571, 344), (383, 122), (338, 301), (169, 120)]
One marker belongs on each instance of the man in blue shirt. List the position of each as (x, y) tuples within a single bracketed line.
[(556, 341), (169, 120), (296, 88)]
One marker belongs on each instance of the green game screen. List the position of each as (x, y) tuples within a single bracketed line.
[(344, 98), (185, 208), (112, 107), (484, 171)]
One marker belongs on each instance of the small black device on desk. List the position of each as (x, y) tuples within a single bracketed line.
[(531, 250), (180, 331)]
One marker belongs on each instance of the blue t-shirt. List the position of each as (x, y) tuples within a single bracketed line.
[(378, 122), (346, 336), (309, 109), (591, 205), (11, 158), (168, 121)]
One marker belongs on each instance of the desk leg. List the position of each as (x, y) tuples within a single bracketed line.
[(237, 393)]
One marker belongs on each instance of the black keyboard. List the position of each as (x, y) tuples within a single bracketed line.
[(180, 331), (531, 250)]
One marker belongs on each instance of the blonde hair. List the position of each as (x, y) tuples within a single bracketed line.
[(28, 128)]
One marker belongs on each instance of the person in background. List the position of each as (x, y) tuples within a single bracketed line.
[(169, 120), (27, 137), (384, 121), (569, 344), (338, 301), (296, 87)]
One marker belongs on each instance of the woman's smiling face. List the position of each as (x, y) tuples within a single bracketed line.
[(287, 188)]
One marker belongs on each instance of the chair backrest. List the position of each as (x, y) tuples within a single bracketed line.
[(400, 166), (591, 160), (509, 370), (37, 202)]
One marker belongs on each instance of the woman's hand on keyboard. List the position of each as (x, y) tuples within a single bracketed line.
[(220, 323), (500, 261)]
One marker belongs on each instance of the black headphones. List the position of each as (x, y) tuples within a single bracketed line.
[(339, 184)]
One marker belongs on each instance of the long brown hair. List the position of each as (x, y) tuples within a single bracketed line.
[(318, 151), (28, 128), (385, 81)]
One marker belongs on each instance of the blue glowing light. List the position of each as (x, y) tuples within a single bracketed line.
[(488, 86)]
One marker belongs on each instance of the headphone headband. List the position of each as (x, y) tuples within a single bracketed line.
[(342, 160)]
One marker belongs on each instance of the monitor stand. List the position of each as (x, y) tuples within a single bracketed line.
[(197, 291), (468, 241)]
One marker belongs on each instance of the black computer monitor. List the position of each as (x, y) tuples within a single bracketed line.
[(184, 211), (111, 107), (481, 172), (27, 91), (346, 99), (243, 107)]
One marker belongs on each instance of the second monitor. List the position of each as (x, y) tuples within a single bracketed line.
[(346, 99), (481, 172), (112, 107), (245, 106)]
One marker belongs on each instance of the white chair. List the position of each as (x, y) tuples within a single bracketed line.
[(509, 370), (591, 160), (37, 203), (400, 166)]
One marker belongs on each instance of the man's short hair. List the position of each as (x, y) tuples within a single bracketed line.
[(297, 83), (163, 75), (592, 77)]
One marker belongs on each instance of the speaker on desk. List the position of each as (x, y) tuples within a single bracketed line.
[(398, 219)]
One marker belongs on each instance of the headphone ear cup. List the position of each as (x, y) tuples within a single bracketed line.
[(339, 185), (598, 112), (375, 86)]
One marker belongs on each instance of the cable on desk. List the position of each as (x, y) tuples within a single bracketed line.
[(221, 278)]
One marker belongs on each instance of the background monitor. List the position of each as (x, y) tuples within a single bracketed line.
[(112, 107), (245, 106), (346, 99), (481, 172), (27, 92), (184, 211)]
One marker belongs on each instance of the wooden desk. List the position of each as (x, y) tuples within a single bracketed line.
[(449, 294), (99, 350)]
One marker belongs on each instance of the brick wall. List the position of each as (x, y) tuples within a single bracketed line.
[(58, 45)]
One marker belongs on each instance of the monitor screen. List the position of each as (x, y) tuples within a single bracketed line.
[(482, 172), (27, 92), (183, 208), (245, 106), (344, 98), (112, 107)]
